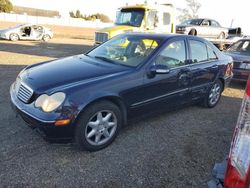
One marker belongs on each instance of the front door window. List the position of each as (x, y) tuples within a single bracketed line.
[(174, 55)]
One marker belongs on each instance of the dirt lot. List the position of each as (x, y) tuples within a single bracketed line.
[(172, 149)]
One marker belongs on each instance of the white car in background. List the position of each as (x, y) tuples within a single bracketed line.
[(202, 27), (26, 32)]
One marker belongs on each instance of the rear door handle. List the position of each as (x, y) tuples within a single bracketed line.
[(215, 67)]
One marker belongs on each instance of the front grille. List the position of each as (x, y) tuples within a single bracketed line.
[(237, 64), (24, 93), (101, 37)]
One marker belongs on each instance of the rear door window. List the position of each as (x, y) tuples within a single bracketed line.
[(211, 54), (166, 18), (198, 51)]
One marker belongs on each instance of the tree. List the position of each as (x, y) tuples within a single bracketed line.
[(71, 14), (78, 14), (104, 18), (191, 11), (5, 6), (93, 17)]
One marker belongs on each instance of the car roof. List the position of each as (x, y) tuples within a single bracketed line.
[(164, 36)]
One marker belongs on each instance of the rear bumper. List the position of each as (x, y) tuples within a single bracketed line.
[(241, 74), (218, 174)]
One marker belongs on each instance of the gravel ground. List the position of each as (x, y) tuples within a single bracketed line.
[(172, 149)]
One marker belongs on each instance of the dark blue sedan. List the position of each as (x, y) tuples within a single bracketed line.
[(240, 52), (89, 97)]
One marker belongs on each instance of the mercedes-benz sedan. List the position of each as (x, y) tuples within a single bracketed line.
[(90, 96), (240, 52)]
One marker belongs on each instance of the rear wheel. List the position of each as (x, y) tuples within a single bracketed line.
[(46, 38), (214, 94), (14, 37), (98, 126)]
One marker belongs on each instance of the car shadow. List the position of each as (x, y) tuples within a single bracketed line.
[(192, 115), (235, 84), (44, 49)]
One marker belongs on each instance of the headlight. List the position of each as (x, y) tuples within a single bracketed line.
[(50, 103), (247, 65), (181, 29), (244, 65)]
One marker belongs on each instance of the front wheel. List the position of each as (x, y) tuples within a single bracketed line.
[(98, 126), (222, 35), (14, 37), (192, 32), (214, 94)]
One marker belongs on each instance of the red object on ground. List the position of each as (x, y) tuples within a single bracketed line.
[(238, 168)]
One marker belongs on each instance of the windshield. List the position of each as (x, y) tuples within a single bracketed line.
[(16, 26), (192, 22), (242, 46), (131, 17), (125, 50)]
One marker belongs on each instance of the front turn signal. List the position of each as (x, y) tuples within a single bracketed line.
[(62, 122)]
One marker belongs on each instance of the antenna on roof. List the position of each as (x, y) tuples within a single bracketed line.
[(232, 21)]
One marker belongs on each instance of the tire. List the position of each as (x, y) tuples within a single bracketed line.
[(46, 38), (192, 32), (214, 94), (14, 37), (98, 126), (222, 35)]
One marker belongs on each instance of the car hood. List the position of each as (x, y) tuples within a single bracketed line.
[(238, 56), (186, 25), (80, 69), (4, 30)]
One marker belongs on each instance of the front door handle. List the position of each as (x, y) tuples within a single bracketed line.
[(184, 79), (215, 67)]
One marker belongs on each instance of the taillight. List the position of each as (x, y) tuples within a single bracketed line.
[(229, 69), (238, 170)]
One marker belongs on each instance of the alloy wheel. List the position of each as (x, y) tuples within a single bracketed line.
[(14, 37), (214, 94), (101, 127)]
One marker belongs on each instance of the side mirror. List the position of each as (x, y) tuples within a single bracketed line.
[(158, 69)]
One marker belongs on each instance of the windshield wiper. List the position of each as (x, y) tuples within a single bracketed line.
[(111, 61), (104, 59)]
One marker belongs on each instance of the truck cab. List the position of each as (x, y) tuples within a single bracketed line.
[(140, 18)]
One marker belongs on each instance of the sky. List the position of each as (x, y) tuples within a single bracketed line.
[(223, 11)]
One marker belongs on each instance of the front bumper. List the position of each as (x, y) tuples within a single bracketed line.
[(241, 74), (181, 32), (37, 120)]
